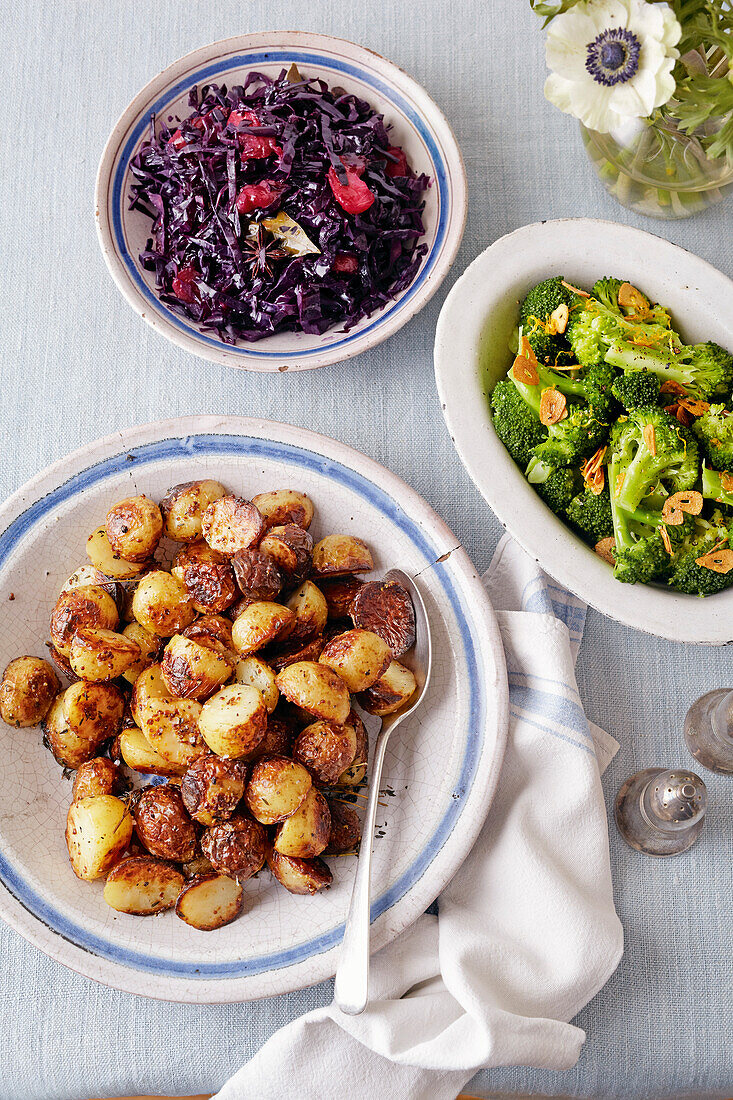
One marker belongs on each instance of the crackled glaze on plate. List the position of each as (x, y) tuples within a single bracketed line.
[(442, 768)]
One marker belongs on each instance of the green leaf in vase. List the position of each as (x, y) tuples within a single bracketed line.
[(293, 238)]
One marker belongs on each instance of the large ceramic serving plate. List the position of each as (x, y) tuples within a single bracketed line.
[(418, 125), (471, 354), (441, 770)]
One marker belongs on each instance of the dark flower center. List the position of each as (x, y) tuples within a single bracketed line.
[(613, 57)]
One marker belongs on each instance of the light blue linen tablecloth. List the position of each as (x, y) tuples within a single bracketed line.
[(77, 363)]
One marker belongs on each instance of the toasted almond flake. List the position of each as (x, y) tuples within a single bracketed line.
[(666, 539), (553, 407), (631, 298), (673, 387), (697, 408), (605, 549), (619, 484), (650, 438), (719, 561), (557, 322), (525, 372), (726, 481), (575, 289)]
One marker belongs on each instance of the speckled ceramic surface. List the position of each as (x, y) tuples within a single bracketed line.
[(472, 353), (442, 768), (418, 125)]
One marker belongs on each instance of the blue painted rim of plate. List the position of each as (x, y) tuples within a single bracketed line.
[(254, 447), (219, 68)]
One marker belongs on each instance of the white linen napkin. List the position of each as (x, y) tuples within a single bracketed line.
[(526, 932)]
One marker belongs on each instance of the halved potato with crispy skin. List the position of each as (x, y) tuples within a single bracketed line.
[(86, 605), (97, 776), (260, 623), (255, 672), (337, 555), (354, 774), (162, 605), (133, 528), (209, 902), (193, 671), (299, 876), (236, 847), (391, 691), (326, 750), (275, 789), (142, 885), (211, 628), (233, 722), (339, 593), (281, 506), (309, 606), (89, 714), (29, 687), (149, 646), (171, 728), (138, 754), (207, 575), (183, 507), (316, 688), (163, 825), (345, 828), (305, 833), (231, 524), (104, 558), (291, 547), (148, 686), (99, 654), (98, 830), (212, 788), (359, 656)]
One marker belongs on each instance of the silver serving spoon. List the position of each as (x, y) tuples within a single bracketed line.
[(351, 992)]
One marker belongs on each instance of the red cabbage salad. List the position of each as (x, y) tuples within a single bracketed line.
[(280, 205)]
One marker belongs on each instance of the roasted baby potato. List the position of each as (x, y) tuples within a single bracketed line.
[(354, 774), (162, 605), (87, 605), (211, 628), (258, 576), (359, 656), (29, 687), (289, 652), (282, 506), (291, 548), (207, 576), (99, 654), (95, 777), (254, 671), (338, 555), (148, 686), (259, 624), (98, 831), (299, 876), (199, 865), (193, 671), (149, 646), (309, 606), (133, 528), (210, 902), (305, 833), (171, 728), (345, 828), (339, 593), (391, 691), (104, 558), (163, 825), (88, 574), (278, 740), (275, 789), (138, 754), (231, 524), (385, 608), (236, 847), (316, 688), (212, 788), (142, 885), (233, 722), (80, 719), (326, 750), (183, 507)]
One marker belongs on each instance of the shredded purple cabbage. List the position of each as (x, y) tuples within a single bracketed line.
[(213, 266)]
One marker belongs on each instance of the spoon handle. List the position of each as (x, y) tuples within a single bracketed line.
[(351, 991)]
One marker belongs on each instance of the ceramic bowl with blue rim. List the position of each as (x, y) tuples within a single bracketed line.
[(440, 772), (418, 125)]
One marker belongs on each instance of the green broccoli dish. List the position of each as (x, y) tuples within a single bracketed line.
[(624, 431)]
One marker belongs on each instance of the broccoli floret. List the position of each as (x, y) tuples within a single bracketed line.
[(576, 437), (639, 551), (637, 389), (594, 328), (702, 536), (714, 429), (534, 314), (555, 485), (703, 369), (649, 447), (606, 291), (717, 485), (590, 515), (517, 426)]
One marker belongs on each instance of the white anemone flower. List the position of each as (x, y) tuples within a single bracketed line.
[(611, 60)]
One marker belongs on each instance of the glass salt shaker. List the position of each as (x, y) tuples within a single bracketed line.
[(661, 812), (709, 730)]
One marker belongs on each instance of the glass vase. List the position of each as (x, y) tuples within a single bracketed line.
[(651, 167)]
